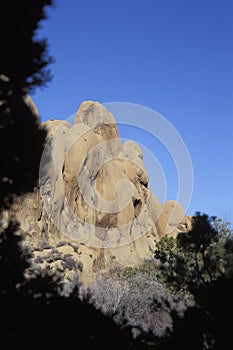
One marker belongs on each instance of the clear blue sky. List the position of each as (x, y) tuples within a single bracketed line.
[(173, 56)]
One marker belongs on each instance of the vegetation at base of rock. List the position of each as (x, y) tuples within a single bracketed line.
[(137, 305), (136, 298), (197, 257), (185, 292), (31, 306), (200, 262), (182, 298)]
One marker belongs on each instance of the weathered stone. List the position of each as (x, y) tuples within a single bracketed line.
[(94, 192), (171, 216)]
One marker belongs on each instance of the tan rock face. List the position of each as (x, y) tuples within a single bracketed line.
[(94, 192)]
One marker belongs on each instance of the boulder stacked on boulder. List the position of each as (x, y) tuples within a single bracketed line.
[(94, 192)]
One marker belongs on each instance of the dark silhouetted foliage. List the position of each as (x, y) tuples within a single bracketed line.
[(24, 57), (200, 262), (196, 257), (23, 66), (33, 312)]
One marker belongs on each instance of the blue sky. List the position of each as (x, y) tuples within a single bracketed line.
[(172, 56)]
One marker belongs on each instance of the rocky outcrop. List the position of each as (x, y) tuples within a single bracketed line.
[(94, 192)]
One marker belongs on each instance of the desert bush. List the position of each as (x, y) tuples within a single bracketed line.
[(68, 262), (135, 298)]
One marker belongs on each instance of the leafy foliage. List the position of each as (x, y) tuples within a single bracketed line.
[(200, 262), (154, 299), (196, 257), (181, 299)]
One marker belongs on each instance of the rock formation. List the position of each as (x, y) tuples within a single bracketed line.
[(93, 196)]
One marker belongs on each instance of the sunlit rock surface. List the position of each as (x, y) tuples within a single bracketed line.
[(93, 192)]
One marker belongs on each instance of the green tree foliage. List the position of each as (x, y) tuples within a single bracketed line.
[(197, 257), (200, 262), (183, 298)]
